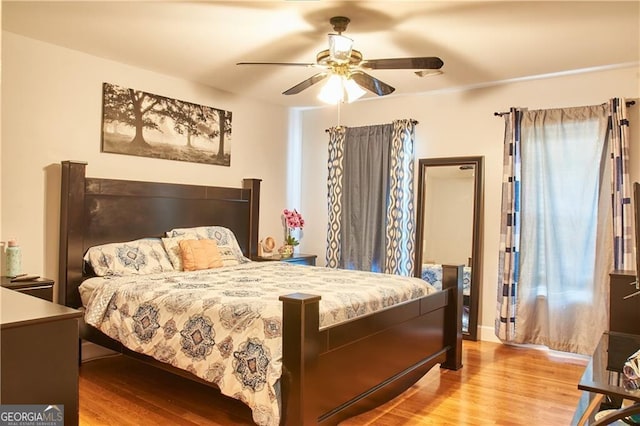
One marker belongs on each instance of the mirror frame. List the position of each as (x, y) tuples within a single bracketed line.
[(478, 221)]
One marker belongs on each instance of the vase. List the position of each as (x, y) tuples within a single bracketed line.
[(286, 251)]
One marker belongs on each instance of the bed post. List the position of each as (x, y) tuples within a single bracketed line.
[(71, 231), (300, 343), (254, 215), (452, 282)]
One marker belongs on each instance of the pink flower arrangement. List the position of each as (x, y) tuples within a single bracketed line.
[(292, 220)]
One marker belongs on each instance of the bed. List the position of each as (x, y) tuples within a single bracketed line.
[(329, 372)]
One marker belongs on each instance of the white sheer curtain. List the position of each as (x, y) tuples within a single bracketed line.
[(566, 242)]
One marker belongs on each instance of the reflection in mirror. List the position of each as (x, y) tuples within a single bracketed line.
[(449, 227)]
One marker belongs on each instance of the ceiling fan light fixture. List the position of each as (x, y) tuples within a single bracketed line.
[(340, 48), (340, 89), (353, 90), (332, 92)]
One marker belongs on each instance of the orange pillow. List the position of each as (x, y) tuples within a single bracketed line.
[(200, 254)]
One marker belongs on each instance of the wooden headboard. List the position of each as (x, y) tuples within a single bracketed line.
[(98, 211)]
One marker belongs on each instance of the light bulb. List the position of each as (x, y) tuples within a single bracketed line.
[(340, 89), (332, 92), (353, 90)]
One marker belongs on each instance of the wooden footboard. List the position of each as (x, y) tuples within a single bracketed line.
[(337, 372)]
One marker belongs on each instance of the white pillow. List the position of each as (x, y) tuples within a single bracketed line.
[(138, 257), (172, 247)]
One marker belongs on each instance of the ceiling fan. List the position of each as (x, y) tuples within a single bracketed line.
[(346, 66)]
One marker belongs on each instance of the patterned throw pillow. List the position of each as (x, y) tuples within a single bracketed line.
[(138, 257), (172, 246), (224, 237)]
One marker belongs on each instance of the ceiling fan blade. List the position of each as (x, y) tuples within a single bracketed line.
[(372, 84), (292, 64), (306, 84), (426, 63)]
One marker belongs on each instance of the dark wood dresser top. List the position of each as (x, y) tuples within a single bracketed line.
[(17, 310)]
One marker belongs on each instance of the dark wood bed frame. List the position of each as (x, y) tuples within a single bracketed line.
[(329, 374)]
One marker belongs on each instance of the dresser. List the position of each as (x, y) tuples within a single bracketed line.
[(39, 352), (624, 314)]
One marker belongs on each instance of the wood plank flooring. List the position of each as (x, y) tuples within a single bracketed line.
[(498, 385)]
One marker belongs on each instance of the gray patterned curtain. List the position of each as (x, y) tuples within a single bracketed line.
[(618, 135), (509, 254), (370, 198), (334, 185), (400, 230)]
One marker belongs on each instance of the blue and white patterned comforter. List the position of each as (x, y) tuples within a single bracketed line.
[(224, 325)]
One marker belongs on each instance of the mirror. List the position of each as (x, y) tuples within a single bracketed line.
[(449, 227)]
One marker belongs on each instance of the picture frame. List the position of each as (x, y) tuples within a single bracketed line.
[(144, 124)]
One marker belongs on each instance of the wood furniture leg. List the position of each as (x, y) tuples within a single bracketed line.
[(595, 403)]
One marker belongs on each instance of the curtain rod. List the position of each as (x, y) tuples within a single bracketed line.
[(500, 114), (414, 122)]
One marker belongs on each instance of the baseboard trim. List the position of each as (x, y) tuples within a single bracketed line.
[(488, 334)]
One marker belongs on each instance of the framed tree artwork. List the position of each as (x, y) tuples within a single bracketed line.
[(148, 125)]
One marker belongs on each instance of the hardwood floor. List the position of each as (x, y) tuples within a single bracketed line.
[(498, 385)]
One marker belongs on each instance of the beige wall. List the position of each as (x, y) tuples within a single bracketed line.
[(460, 123), (51, 111)]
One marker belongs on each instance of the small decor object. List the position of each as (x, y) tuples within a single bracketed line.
[(14, 258), (266, 247), (292, 220), (149, 125), (286, 251)]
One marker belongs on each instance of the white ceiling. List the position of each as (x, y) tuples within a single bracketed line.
[(479, 42)]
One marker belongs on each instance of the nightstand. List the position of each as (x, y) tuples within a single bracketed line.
[(38, 287), (300, 259)]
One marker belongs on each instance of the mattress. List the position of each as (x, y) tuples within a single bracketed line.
[(224, 325)]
